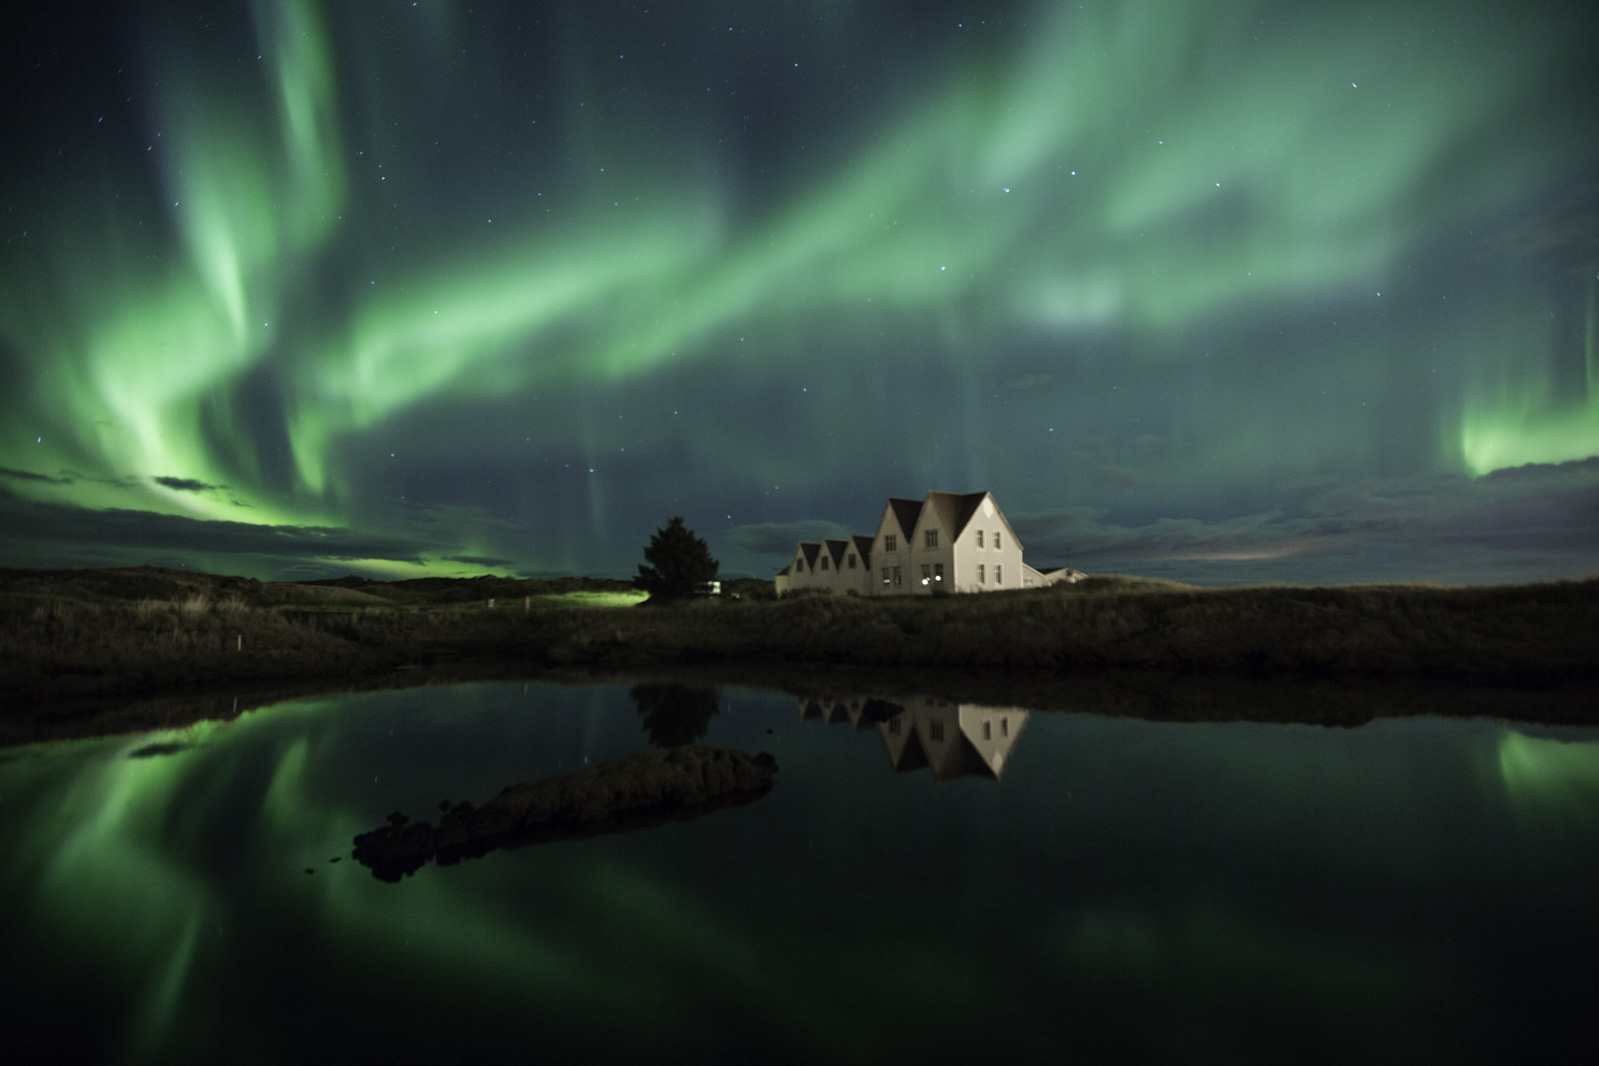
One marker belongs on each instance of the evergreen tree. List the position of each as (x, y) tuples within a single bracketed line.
[(681, 564), (674, 715)]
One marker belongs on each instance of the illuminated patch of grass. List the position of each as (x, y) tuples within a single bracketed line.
[(593, 599)]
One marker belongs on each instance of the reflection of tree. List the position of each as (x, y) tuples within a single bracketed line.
[(674, 714)]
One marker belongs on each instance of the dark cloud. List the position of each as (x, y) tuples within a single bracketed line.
[(186, 484), (1563, 232), (1114, 476), (134, 534), (779, 538), (1545, 509), (28, 475)]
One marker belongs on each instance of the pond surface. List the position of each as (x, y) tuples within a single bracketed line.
[(1413, 890)]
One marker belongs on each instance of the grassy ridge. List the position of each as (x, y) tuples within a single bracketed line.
[(144, 631)]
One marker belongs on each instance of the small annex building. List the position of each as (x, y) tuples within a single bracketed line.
[(947, 542)]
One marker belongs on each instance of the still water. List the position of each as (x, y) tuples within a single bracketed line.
[(925, 881)]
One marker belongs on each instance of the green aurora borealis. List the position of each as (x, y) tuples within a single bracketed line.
[(1219, 291)]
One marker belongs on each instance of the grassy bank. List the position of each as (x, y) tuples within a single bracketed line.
[(142, 631)]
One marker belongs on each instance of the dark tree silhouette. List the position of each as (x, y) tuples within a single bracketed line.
[(674, 715), (680, 564)]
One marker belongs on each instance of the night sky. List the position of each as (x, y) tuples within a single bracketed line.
[(1218, 291)]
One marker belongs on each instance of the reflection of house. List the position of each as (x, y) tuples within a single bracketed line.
[(951, 739), (948, 542)]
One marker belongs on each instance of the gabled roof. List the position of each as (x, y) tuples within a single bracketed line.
[(835, 548), (785, 570), (905, 513), (954, 510), (863, 546), (910, 754), (962, 759), (811, 549)]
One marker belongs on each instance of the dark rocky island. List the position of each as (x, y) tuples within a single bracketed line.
[(632, 792)]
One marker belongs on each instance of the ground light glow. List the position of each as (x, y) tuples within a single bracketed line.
[(1238, 274)]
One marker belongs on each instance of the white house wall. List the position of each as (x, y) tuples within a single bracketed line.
[(990, 521), (960, 556), (884, 561)]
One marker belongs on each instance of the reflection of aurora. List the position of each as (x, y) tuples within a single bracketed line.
[(178, 879), (1543, 772), (1127, 172), (126, 885)]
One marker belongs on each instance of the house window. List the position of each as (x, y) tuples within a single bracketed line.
[(896, 575), (932, 538), (979, 573), (824, 562), (927, 573), (885, 575), (936, 730), (890, 542), (996, 540), (1004, 727), (893, 725), (852, 560), (979, 538), (988, 730), (938, 571), (999, 574)]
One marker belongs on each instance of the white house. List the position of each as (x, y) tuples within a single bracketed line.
[(950, 739), (947, 542)]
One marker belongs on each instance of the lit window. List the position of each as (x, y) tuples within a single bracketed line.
[(932, 538), (885, 575), (979, 573), (999, 574), (938, 571), (979, 538), (889, 542), (852, 560)]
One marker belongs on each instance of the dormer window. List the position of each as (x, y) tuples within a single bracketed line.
[(932, 538), (824, 562), (852, 560), (890, 542)]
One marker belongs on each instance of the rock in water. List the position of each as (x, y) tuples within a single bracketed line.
[(632, 792)]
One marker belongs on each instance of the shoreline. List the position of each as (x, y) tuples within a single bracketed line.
[(1146, 695), (65, 658)]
